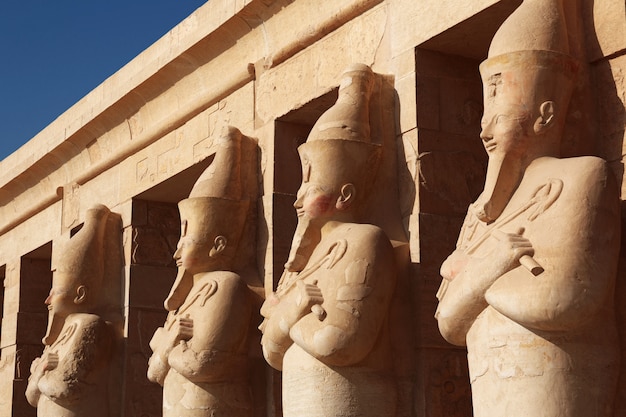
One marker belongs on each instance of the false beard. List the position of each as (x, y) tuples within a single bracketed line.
[(55, 325), (504, 174), (305, 239), (180, 290)]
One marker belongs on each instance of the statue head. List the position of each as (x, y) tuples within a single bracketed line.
[(528, 80), (336, 177), (212, 219), (78, 271), (339, 163)]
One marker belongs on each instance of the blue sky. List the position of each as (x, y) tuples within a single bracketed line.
[(54, 52)]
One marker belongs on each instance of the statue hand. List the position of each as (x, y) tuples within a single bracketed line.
[(510, 248), (50, 361), (184, 328), (307, 296)]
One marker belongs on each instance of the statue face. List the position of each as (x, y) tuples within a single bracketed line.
[(503, 132), (193, 255), (504, 122), (315, 202), (508, 137), (60, 300)]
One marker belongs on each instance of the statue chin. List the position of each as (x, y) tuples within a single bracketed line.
[(305, 239), (504, 174), (55, 325)]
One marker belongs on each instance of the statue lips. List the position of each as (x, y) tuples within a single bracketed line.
[(490, 146)]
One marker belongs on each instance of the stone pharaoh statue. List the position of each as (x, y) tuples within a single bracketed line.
[(529, 288), (201, 353), (326, 325), (71, 378)]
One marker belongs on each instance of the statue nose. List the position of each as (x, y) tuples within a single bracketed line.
[(486, 134), (299, 196)]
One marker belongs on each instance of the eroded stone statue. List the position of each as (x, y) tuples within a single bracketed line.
[(529, 288), (326, 325), (71, 378), (201, 353)]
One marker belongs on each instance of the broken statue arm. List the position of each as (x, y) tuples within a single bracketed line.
[(64, 375)]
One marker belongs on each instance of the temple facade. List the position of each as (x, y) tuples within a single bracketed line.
[(270, 68)]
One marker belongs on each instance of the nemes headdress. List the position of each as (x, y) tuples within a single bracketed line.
[(339, 147), (215, 206), (529, 60)]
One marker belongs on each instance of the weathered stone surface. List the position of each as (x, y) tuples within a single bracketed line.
[(445, 389), (352, 42)]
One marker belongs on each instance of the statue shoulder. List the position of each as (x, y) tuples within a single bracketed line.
[(224, 280), (581, 166), (85, 332), (579, 175), (588, 173), (363, 231), (85, 319), (366, 240)]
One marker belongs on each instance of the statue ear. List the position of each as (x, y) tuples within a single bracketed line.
[(218, 246), (81, 294), (345, 199), (546, 117)]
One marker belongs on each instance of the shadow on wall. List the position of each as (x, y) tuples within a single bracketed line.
[(607, 89)]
